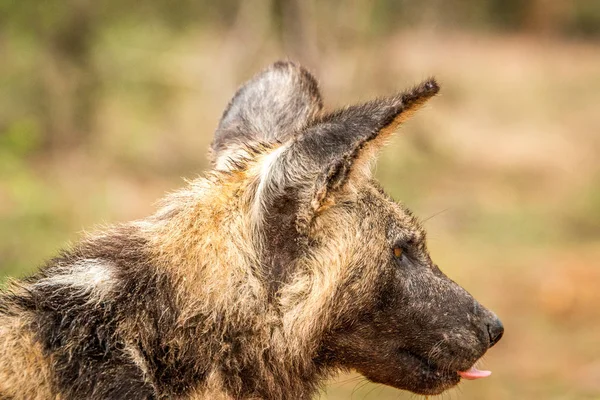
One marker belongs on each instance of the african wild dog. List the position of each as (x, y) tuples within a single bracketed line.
[(285, 264)]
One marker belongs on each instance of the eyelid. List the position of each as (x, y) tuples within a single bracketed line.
[(402, 244), (406, 243)]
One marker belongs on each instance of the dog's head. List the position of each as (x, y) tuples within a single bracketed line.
[(339, 256)]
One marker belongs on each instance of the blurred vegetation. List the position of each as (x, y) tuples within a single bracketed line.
[(68, 37), (105, 105)]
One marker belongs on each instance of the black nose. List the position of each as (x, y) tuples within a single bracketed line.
[(495, 330)]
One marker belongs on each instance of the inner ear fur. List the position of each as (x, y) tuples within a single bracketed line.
[(348, 139), (342, 144)]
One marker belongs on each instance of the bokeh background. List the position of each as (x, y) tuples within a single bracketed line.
[(106, 105)]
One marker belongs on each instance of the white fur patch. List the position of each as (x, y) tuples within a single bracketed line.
[(91, 276), (227, 157), (270, 175), (137, 358)]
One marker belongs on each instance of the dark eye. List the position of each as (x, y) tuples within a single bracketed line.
[(398, 252)]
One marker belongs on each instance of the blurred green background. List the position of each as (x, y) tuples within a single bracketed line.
[(104, 106)]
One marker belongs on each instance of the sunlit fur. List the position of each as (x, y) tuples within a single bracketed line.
[(24, 369), (243, 284)]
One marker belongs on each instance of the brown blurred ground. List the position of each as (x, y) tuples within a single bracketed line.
[(102, 110)]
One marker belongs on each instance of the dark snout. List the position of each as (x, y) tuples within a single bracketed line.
[(495, 329), (490, 324)]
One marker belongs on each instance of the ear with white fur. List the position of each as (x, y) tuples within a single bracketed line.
[(335, 149), (273, 106)]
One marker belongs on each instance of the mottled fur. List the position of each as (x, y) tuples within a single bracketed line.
[(257, 281)]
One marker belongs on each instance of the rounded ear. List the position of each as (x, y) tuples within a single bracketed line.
[(271, 107)]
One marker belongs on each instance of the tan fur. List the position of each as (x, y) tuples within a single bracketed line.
[(207, 244), (24, 371), (211, 389)]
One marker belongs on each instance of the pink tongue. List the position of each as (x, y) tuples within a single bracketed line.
[(474, 373)]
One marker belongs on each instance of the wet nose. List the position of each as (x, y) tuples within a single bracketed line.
[(495, 330)]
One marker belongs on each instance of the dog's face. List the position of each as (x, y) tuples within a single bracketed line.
[(405, 323), (336, 248)]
